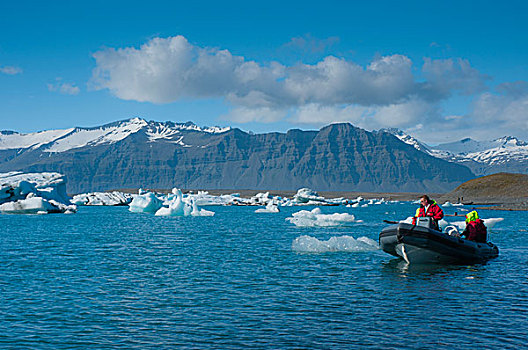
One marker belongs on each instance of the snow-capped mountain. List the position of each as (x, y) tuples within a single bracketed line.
[(505, 154), (408, 139), (63, 140), (138, 153)]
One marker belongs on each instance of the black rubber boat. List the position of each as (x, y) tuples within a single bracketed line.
[(421, 244)]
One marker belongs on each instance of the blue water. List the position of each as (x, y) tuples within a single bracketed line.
[(107, 278)]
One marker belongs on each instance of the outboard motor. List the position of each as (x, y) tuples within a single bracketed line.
[(426, 222)]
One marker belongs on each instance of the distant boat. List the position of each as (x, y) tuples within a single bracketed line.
[(421, 244)]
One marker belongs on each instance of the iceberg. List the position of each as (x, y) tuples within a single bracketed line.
[(204, 198), (272, 207), (34, 193), (315, 218), (308, 244), (103, 198), (145, 203), (179, 206)]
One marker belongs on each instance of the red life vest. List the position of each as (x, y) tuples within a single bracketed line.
[(476, 231)]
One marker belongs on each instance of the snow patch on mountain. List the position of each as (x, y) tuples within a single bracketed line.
[(505, 150), (495, 152), (15, 140), (55, 141), (408, 139), (106, 134)]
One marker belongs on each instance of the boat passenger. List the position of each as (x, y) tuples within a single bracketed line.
[(428, 207), (475, 229)]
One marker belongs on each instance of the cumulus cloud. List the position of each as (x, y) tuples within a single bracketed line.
[(443, 77), (507, 108), (10, 70), (64, 88), (386, 91), (407, 115)]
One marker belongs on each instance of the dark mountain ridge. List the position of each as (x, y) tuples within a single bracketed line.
[(339, 157)]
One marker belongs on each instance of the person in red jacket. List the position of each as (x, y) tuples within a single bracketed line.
[(475, 229), (429, 207)]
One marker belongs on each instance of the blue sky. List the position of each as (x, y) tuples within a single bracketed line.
[(441, 70)]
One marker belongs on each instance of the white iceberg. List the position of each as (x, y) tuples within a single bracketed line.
[(308, 244), (272, 207), (145, 203), (103, 198), (305, 195), (305, 218), (31, 193), (490, 223), (204, 198), (178, 206)]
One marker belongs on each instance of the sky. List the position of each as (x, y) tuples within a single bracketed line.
[(439, 70)]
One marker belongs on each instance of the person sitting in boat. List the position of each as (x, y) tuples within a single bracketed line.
[(475, 229), (428, 207)]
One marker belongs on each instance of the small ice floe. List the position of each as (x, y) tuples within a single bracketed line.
[(272, 207), (305, 195), (204, 198), (305, 218), (355, 205), (145, 203), (308, 244), (103, 198), (490, 223), (34, 193), (461, 225), (178, 206), (449, 204)]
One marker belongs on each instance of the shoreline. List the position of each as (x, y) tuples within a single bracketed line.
[(506, 203)]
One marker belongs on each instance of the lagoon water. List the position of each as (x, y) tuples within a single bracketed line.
[(108, 278)]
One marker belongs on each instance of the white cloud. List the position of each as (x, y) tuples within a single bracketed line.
[(443, 77), (10, 70), (403, 115), (384, 93), (507, 109), (166, 70), (258, 114), (64, 88)]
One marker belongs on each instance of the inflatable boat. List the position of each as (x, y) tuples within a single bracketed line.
[(422, 244)]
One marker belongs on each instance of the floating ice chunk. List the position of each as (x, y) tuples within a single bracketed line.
[(304, 195), (272, 207), (200, 212), (490, 223), (178, 206), (305, 218), (364, 206), (31, 205), (145, 203), (103, 198), (204, 198), (18, 191), (308, 244), (447, 204)]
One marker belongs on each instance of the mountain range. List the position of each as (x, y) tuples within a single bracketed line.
[(505, 154), (137, 153)]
